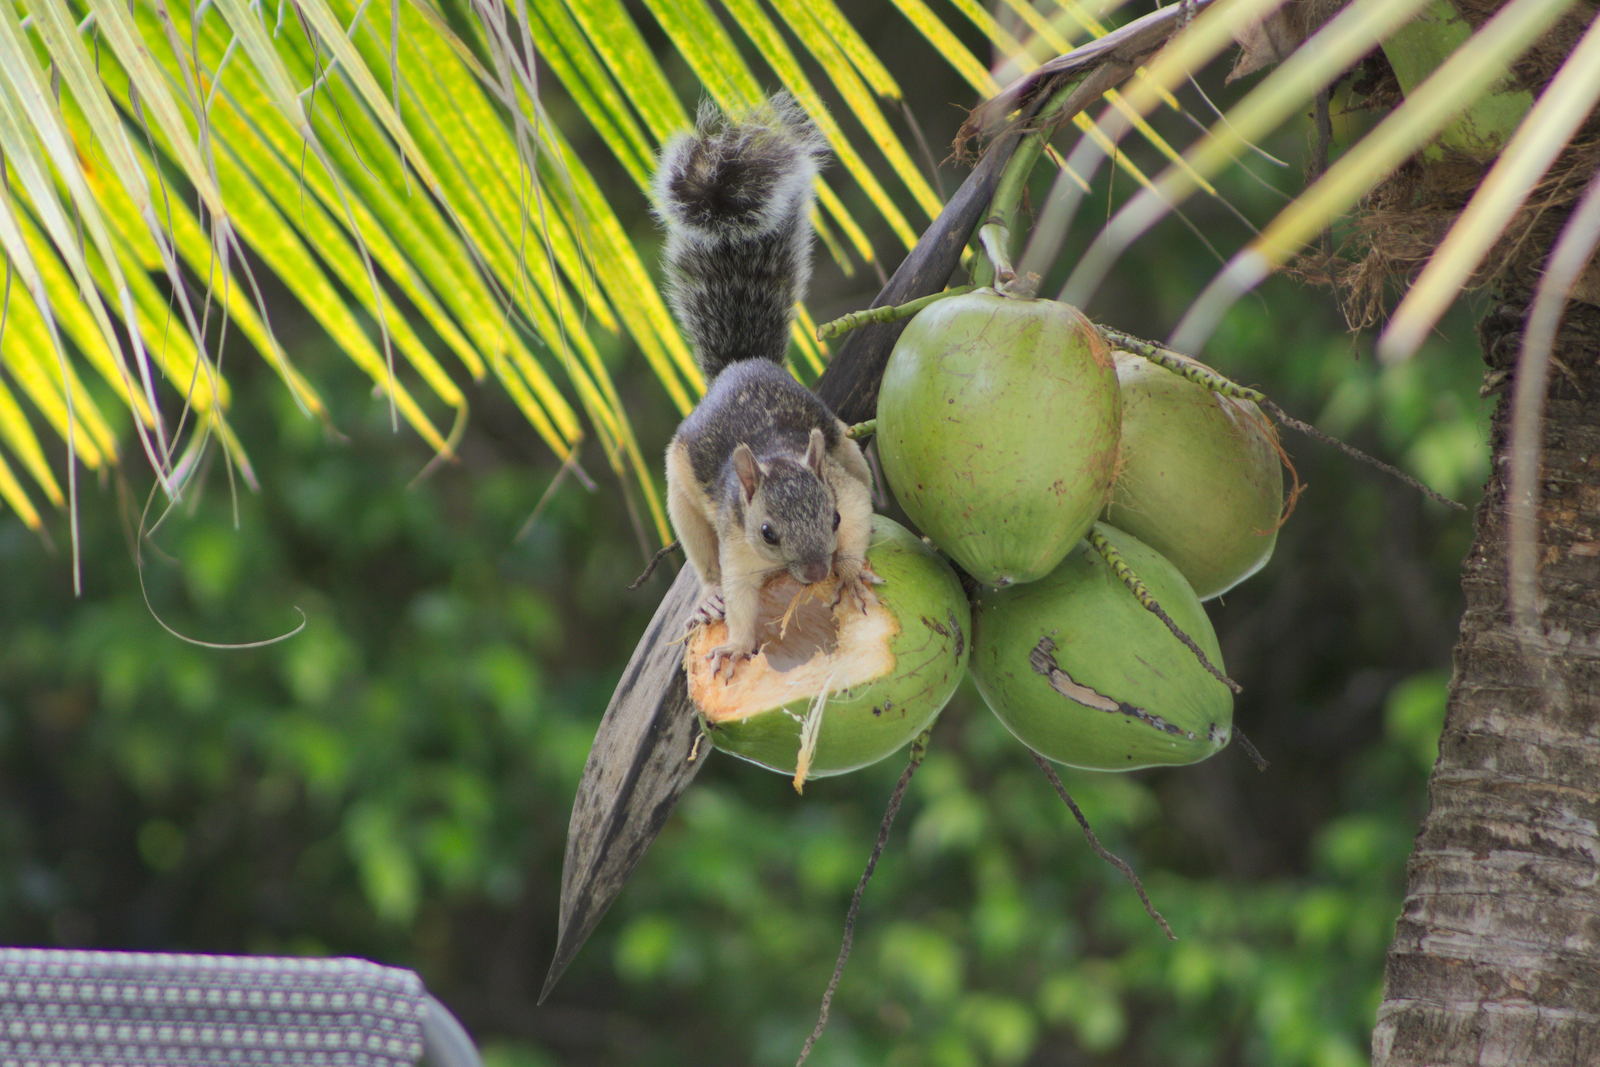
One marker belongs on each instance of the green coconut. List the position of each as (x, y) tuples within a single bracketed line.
[(835, 688), (1200, 479), (997, 426), (1083, 674)]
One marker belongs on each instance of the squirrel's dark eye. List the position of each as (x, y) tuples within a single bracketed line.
[(835, 520), (768, 534)]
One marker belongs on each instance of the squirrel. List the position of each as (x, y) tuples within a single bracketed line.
[(761, 477)]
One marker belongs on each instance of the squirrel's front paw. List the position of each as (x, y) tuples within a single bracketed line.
[(709, 610), (728, 657), (857, 582)]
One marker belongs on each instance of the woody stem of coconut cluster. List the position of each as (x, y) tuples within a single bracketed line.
[(650, 568), (884, 313), (1187, 368), (994, 266), (1125, 574)]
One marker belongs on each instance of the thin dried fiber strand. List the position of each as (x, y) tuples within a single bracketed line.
[(804, 593), (1120, 864), (919, 749), (811, 733)]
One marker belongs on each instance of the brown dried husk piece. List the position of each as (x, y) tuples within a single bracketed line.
[(1400, 224)]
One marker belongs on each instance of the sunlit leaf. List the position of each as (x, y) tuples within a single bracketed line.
[(1006, 44), (20, 439), (581, 70), (836, 30), (43, 370), (632, 62), (36, 144), (835, 44), (749, 17), (12, 493)]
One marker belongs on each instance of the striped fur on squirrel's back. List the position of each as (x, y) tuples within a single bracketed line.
[(735, 196)]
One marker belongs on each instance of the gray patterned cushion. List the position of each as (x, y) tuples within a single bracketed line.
[(114, 1008)]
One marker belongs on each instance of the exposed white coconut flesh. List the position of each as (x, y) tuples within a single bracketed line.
[(809, 646), (834, 688)]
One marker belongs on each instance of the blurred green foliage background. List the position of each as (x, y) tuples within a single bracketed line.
[(394, 780)]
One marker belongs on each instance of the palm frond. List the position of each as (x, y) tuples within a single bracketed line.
[(24, 444), (1573, 253), (15, 496), (393, 168), (397, 170)]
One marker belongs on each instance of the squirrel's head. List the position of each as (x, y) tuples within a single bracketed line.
[(790, 515)]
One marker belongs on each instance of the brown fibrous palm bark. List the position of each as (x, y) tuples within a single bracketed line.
[(1496, 956)]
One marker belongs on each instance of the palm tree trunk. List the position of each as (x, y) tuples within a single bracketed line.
[(1496, 955)]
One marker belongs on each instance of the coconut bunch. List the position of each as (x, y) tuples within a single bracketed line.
[(1090, 497), (1095, 497)]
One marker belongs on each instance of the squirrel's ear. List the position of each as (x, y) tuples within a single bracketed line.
[(748, 470), (816, 449)]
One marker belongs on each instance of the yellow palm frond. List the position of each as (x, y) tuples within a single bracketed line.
[(398, 171)]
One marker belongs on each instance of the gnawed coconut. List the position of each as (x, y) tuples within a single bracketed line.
[(997, 425), (835, 688), (1200, 479), (1082, 673)]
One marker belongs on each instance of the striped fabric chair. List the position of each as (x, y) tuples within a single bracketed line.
[(108, 1009)]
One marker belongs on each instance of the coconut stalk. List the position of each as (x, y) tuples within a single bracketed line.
[(1197, 372), (1135, 585)]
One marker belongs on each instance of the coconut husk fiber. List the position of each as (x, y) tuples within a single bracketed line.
[(1400, 224)]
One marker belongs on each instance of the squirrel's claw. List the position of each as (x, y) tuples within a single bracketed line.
[(729, 657), (857, 583), (861, 591), (709, 610)]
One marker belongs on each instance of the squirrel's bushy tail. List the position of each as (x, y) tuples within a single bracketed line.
[(735, 195)]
